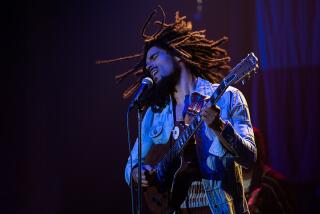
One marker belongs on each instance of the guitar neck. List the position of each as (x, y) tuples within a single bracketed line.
[(238, 73), (189, 131)]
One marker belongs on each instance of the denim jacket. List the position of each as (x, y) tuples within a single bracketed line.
[(223, 156)]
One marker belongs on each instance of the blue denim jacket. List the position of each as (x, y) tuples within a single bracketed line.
[(223, 156)]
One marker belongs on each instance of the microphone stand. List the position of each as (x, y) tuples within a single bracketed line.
[(139, 160), (145, 84)]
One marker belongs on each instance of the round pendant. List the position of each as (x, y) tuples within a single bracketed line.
[(175, 132)]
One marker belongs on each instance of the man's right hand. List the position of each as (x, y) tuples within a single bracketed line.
[(147, 175)]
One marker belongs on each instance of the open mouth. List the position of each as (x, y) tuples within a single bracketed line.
[(154, 73)]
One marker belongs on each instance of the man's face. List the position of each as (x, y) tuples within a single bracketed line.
[(159, 63)]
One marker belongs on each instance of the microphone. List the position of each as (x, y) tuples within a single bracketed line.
[(146, 84)]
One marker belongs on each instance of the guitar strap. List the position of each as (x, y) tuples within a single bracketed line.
[(196, 193), (196, 104)]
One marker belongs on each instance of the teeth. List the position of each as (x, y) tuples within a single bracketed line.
[(153, 71)]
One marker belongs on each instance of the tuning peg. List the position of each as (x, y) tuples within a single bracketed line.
[(243, 81)]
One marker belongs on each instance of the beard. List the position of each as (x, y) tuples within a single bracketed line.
[(159, 95)]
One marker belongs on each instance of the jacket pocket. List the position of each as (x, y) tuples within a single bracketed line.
[(156, 134)]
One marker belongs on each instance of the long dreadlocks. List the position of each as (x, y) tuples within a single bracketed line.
[(205, 58)]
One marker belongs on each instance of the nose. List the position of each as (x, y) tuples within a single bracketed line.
[(148, 67)]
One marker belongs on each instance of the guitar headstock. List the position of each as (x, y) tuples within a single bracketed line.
[(242, 71)]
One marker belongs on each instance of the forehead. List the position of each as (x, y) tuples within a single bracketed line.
[(154, 50)]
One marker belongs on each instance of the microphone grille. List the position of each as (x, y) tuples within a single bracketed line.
[(147, 81)]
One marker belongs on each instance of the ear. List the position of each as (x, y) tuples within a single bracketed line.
[(178, 59)]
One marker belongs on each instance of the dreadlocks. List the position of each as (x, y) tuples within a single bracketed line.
[(205, 58)]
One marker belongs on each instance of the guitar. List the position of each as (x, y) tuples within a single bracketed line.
[(174, 173)]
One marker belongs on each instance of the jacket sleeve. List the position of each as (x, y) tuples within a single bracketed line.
[(145, 147), (237, 136)]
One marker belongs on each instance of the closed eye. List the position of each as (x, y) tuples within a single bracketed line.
[(154, 56)]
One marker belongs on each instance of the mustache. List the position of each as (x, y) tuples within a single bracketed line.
[(159, 95)]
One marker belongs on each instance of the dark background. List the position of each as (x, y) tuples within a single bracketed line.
[(64, 141)]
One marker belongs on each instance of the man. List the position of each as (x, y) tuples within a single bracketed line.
[(184, 64)]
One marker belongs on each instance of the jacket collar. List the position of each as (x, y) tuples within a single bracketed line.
[(204, 87)]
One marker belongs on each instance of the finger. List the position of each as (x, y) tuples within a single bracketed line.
[(144, 181), (145, 185), (204, 110), (147, 167), (216, 108), (152, 171), (204, 117)]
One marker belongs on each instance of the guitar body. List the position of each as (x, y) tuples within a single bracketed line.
[(168, 196)]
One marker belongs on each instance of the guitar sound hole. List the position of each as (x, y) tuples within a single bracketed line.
[(156, 200)]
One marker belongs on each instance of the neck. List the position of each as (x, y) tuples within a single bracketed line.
[(185, 85)]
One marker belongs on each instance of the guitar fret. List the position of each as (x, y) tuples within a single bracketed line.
[(183, 139), (180, 143), (187, 133), (193, 125)]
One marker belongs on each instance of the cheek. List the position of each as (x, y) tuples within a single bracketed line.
[(168, 69), (165, 65)]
